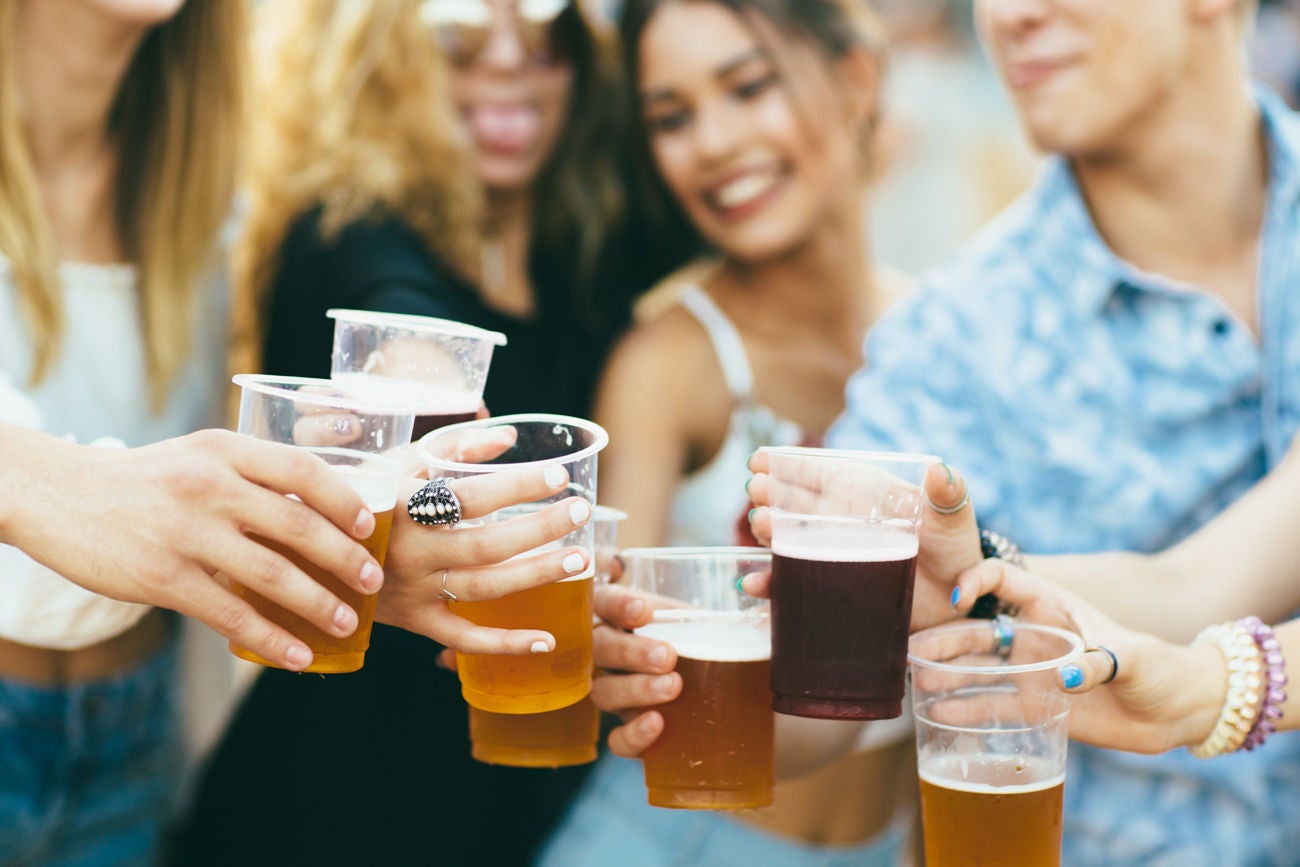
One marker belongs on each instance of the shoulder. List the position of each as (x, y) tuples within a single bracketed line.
[(671, 344)]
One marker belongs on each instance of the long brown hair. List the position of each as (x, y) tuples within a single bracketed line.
[(175, 122)]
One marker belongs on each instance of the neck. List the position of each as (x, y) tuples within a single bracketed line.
[(71, 62), (1187, 193), (823, 285), (505, 281)]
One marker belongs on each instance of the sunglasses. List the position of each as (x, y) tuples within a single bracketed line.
[(464, 28)]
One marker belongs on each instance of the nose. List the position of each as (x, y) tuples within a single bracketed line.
[(1012, 17), (717, 131), (504, 50)]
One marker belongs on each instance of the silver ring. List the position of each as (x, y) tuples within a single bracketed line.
[(1004, 633), (950, 510), (1114, 661), (443, 593), (434, 505)]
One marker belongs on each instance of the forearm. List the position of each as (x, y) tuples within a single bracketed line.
[(29, 460)]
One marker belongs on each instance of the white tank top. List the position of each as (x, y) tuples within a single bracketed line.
[(710, 502)]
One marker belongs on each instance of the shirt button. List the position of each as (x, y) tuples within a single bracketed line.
[(1221, 327)]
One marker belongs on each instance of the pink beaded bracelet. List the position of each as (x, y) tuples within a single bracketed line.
[(1275, 681)]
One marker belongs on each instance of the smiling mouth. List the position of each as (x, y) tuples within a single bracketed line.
[(1022, 75), (744, 191)]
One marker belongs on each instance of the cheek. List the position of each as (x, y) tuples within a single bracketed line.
[(554, 90), (674, 161)]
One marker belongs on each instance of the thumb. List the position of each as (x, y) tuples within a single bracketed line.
[(1095, 668), (950, 535)]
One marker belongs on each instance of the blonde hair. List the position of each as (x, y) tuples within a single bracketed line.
[(352, 116), (174, 122)]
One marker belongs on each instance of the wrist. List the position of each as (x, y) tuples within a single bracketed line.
[(1204, 689)]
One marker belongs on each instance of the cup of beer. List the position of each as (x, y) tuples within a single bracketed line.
[(844, 546), (553, 738), (715, 752), (442, 365), (304, 413), (541, 681), (991, 737)]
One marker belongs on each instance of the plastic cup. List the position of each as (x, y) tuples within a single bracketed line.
[(301, 412), (844, 546), (715, 752), (442, 365), (543, 681), (554, 738), (991, 738)]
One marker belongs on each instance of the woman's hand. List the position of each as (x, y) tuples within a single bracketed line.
[(169, 523), (949, 543), (1163, 695), (477, 561)]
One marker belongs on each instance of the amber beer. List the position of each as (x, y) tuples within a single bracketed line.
[(554, 739), (332, 655), (535, 682), (990, 810), (715, 752)]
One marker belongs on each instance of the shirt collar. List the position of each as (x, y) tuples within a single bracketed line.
[(1071, 253)]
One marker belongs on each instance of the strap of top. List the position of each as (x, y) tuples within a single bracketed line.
[(726, 341)]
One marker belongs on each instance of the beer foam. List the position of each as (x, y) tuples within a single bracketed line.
[(842, 540), (739, 638), (979, 774), (429, 399)]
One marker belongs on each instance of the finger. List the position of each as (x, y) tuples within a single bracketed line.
[(616, 650), (620, 607), (1093, 669), (758, 584), (760, 524), (616, 692), (488, 492), (447, 659), (292, 525), (759, 489), (995, 576), (760, 461), (290, 470), (269, 574), (496, 542), (477, 583), (225, 613), (455, 632), (326, 429), (632, 739), (474, 445)]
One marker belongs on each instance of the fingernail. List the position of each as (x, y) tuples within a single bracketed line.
[(750, 516), (364, 525), (740, 584), (371, 576), (947, 469), (954, 597), (574, 563), (539, 647), (342, 424), (747, 481), (1071, 676), (645, 726), (579, 511), (554, 476), (298, 656), (659, 656), (345, 619), (635, 609), (663, 684)]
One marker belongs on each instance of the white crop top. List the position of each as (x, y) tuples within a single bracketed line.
[(710, 502), (96, 393)]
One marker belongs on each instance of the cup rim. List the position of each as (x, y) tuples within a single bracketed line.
[(383, 403), (852, 454), (601, 435), (697, 551), (417, 323), (1073, 639)]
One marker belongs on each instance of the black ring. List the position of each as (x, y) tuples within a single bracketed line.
[(1114, 661), (434, 505)]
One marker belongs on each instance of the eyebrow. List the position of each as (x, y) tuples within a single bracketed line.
[(667, 94)]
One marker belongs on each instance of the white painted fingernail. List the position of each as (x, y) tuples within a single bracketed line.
[(573, 563), (580, 511), (554, 476), (540, 647)]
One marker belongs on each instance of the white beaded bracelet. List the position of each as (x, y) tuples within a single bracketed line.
[(1245, 695)]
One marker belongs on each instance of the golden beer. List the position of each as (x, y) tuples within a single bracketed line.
[(331, 655), (989, 810), (552, 739), (535, 682), (715, 752)]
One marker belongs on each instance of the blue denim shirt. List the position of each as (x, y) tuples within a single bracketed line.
[(1093, 406)]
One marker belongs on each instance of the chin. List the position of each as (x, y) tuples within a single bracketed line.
[(507, 176), (141, 11), (754, 248)]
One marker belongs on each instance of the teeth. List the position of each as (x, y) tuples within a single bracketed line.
[(744, 189)]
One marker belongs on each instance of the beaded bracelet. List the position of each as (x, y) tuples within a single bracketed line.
[(1244, 702), (1275, 681)]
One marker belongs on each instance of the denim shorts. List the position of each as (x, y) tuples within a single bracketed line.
[(611, 823), (89, 772)]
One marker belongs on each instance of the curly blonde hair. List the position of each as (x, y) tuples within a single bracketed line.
[(352, 116)]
